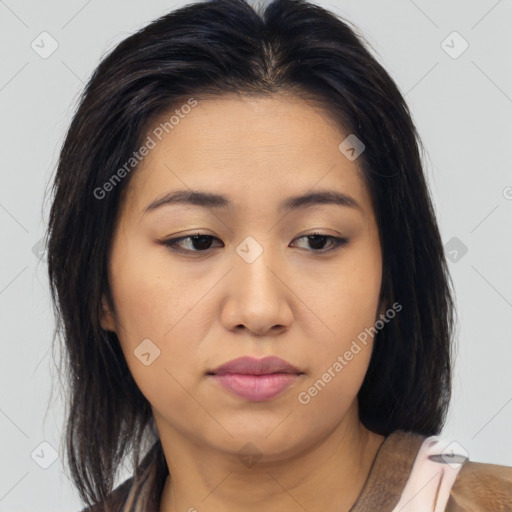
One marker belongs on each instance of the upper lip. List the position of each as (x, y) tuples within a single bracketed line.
[(253, 366)]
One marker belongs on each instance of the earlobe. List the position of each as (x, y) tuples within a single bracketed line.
[(107, 320)]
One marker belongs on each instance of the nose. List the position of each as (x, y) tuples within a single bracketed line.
[(259, 292)]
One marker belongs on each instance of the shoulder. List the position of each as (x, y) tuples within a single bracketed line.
[(481, 487), (115, 500), (440, 479)]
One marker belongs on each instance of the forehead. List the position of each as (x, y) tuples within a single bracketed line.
[(253, 150)]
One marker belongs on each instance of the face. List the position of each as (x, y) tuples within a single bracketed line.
[(254, 283)]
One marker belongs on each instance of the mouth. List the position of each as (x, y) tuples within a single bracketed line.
[(252, 366), (256, 379)]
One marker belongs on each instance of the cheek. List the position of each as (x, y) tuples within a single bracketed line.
[(157, 312), (336, 383), (340, 359), (147, 293), (347, 307), (345, 296)]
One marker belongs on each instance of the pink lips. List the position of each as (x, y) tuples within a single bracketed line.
[(256, 379)]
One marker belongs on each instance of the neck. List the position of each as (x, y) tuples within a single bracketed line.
[(328, 476)]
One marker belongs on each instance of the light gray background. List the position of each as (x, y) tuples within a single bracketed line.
[(463, 110)]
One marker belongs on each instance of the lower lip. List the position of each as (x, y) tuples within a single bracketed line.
[(256, 387)]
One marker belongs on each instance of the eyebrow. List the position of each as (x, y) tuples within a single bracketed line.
[(217, 201)]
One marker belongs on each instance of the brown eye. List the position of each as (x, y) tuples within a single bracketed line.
[(317, 241), (199, 243)]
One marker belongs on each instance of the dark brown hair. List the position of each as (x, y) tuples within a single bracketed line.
[(213, 48)]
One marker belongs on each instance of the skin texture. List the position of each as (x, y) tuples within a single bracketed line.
[(295, 301)]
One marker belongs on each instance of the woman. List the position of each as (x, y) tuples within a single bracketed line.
[(248, 272)]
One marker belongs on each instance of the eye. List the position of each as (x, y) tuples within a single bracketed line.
[(318, 240), (201, 242)]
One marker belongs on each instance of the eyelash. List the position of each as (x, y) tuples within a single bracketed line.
[(337, 243)]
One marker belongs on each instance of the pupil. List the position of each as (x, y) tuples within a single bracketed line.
[(316, 238), (201, 239)]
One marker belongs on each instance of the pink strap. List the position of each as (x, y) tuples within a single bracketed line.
[(434, 471)]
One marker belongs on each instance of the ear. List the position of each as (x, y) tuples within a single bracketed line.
[(107, 319)]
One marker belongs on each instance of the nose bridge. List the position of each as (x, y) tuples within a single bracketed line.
[(253, 260)]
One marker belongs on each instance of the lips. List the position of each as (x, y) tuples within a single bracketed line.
[(252, 366), (256, 379)]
